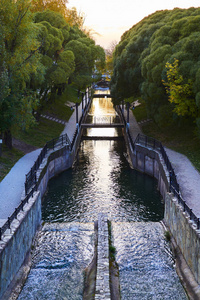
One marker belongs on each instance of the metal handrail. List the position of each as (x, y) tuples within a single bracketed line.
[(153, 144), (173, 184), (31, 184)]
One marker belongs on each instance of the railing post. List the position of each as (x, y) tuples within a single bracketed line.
[(9, 222), (82, 101), (198, 223), (190, 213), (128, 106), (184, 205), (0, 234), (85, 100)]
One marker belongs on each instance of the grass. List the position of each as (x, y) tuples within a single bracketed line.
[(57, 106), (178, 138), (7, 160), (45, 130), (37, 136)]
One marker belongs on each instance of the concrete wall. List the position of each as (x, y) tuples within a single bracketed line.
[(185, 233), (149, 162), (17, 241)]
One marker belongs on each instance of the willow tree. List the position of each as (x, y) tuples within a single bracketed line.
[(59, 63), (19, 60)]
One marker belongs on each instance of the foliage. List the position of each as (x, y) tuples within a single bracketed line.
[(41, 53), (19, 60), (59, 64), (146, 58), (54, 5), (180, 93)]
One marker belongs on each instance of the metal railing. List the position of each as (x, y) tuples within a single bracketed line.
[(31, 183), (127, 128), (153, 144), (16, 212), (51, 145)]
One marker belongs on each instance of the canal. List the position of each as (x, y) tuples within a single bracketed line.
[(102, 181)]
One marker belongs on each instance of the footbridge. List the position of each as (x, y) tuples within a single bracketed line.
[(102, 96), (104, 122)]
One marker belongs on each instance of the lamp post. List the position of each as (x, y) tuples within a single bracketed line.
[(123, 106), (0, 145), (128, 106), (82, 95), (76, 105)]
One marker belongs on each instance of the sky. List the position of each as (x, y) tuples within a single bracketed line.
[(111, 18)]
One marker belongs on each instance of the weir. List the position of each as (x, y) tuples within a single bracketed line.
[(107, 189)]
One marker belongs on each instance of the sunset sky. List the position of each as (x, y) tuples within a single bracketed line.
[(111, 18)]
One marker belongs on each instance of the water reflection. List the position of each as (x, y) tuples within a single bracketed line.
[(102, 181)]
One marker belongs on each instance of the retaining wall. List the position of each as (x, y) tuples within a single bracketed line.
[(184, 231), (149, 162), (17, 241)]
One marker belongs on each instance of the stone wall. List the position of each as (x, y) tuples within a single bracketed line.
[(103, 277), (185, 233), (17, 241), (149, 162)]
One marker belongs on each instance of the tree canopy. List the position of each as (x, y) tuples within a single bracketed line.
[(159, 60), (40, 53)]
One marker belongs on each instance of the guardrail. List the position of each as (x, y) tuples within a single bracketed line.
[(56, 142), (17, 210), (153, 144), (31, 179)]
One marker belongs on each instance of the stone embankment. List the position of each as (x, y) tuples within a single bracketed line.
[(103, 277)]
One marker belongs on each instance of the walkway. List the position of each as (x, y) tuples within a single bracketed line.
[(70, 127), (187, 176), (12, 186)]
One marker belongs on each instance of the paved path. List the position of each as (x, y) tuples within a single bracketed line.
[(187, 176), (12, 186), (71, 125)]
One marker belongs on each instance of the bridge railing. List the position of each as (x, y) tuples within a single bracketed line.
[(31, 183)]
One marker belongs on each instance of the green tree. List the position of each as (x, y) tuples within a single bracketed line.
[(180, 93), (59, 63), (139, 64), (20, 59)]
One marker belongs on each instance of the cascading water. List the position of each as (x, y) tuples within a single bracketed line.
[(102, 181)]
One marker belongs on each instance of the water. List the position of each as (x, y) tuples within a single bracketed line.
[(102, 181)]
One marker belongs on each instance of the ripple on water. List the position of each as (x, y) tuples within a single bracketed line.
[(62, 253), (145, 267)]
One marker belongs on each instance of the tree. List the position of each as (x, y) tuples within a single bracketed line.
[(19, 60), (180, 93), (139, 64), (54, 5), (59, 63)]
